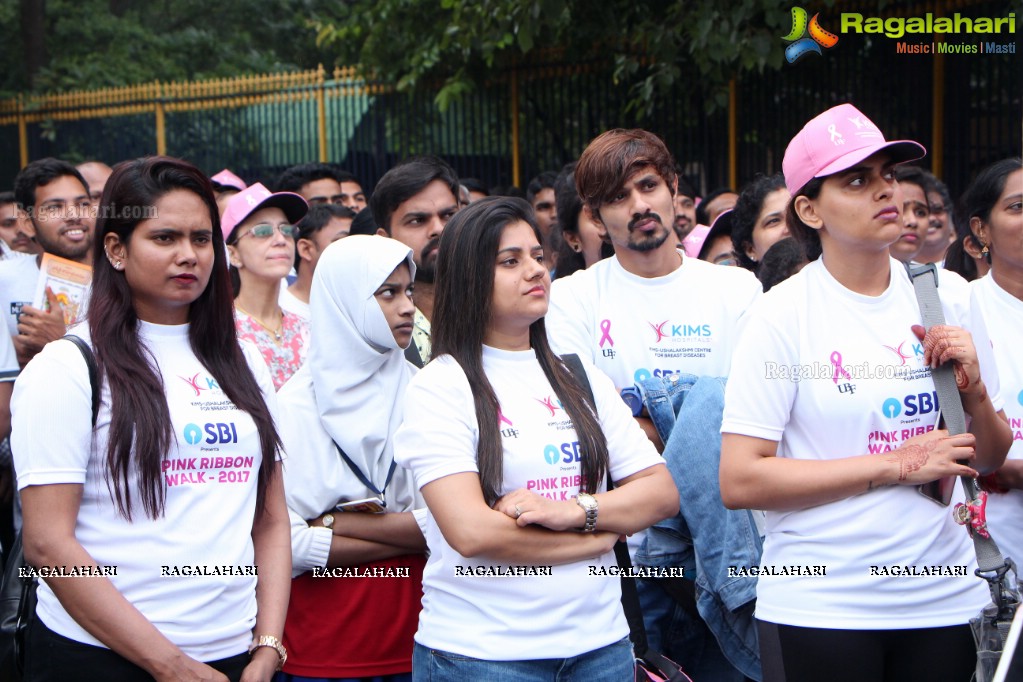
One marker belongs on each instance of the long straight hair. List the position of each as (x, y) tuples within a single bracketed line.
[(141, 432), (462, 313)]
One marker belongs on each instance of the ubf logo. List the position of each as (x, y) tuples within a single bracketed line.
[(802, 45)]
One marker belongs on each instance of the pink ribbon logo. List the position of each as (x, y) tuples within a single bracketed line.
[(605, 327), (836, 361), (502, 419)]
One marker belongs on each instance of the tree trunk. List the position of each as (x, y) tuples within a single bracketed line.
[(33, 35)]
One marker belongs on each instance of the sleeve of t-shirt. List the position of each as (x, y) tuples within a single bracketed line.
[(8, 360), (266, 385), (629, 450), (439, 434), (762, 384), (568, 319), (310, 545), (977, 327), (51, 418), (752, 290)]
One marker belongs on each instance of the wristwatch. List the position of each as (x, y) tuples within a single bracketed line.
[(328, 520), (589, 504), (275, 644)]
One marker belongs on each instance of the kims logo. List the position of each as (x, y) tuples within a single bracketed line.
[(802, 45)]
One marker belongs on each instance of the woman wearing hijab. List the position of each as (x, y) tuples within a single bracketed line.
[(358, 575)]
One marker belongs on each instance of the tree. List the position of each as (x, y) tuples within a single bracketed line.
[(656, 46)]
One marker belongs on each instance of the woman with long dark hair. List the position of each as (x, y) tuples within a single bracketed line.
[(831, 423), (174, 500), (992, 207), (513, 460)]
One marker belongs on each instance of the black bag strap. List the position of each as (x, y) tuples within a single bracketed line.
[(630, 595), (90, 362), (362, 477), (992, 567)]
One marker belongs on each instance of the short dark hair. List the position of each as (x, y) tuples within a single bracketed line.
[(39, 173), (685, 188), (294, 178), (609, 160), (702, 217), (747, 208), (318, 217), (406, 180), (474, 185), (915, 175), (782, 260), (541, 182), (345, 176), (363, 222), (7, 198)]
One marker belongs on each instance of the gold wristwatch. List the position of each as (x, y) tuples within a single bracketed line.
[(276, 645)]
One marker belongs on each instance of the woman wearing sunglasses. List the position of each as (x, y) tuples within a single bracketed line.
[(259, 229)]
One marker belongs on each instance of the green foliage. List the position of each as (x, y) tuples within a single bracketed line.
[(89, 45), (656, 46)]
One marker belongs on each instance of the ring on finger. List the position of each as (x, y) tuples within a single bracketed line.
[(518, 511)]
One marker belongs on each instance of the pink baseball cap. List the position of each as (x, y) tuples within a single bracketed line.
[(255, 197), (229, 179), (694, 240), (838, 139)]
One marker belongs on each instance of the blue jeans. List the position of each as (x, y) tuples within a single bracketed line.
[(704, 537), (612, 663)]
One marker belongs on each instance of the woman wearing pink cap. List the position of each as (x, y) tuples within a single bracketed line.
[(259, 229), (831, 423)]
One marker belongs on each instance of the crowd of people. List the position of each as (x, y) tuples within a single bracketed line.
[(319, 433)]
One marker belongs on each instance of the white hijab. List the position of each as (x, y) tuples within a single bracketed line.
[(359, 373)]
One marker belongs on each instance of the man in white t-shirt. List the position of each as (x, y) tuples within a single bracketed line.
[(650, 311), (57, 201)]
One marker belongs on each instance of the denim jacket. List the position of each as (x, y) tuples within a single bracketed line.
[(704, 536)]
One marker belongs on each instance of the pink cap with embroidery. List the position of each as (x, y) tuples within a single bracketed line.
[(255, 197), (694, 241), (838, 139), (229, 179)]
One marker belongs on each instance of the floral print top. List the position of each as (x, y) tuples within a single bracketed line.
[(283, 356)]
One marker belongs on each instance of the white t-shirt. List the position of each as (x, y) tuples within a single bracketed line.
[(211, 475), (1003, 315), (879, 395), (18, 279), (565, 614), (291, 303), (634, 327), (8, 359)]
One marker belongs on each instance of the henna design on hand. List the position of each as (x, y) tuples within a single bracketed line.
[(911, 458)]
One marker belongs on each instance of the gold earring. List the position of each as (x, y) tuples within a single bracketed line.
[(985, 251)]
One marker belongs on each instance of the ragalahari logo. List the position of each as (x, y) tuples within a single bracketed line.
[(802, 45)]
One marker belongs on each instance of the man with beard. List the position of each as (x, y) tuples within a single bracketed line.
[(57, 201), (647, 312), (412, 203), (685, 208)]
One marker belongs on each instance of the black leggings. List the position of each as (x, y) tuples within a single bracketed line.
[(794, 654), (50, 657)]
